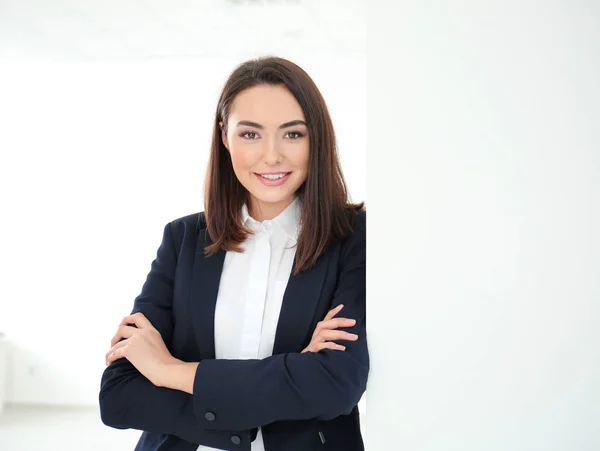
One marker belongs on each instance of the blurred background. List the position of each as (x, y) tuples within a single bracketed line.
[(105, 118)]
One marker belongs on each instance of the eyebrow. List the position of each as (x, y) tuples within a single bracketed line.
[(282, 126)]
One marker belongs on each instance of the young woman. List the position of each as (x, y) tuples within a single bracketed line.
[(236, 342)]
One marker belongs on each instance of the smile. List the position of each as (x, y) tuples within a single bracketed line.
[(273, 179), (274, 176)]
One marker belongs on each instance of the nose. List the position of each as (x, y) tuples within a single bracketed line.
[(272, 152)]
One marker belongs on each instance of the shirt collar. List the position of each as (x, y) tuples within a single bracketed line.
[(288, 221)]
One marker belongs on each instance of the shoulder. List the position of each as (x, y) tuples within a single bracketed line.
[(197, 220), (361, 221), (354, 245), (358, 220), (186, 226)]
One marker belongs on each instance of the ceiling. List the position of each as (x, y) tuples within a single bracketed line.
[(143, 29)]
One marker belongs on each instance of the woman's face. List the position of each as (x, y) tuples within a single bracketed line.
[(267, 139)]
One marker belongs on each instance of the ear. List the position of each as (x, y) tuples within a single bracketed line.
[(224, 136)]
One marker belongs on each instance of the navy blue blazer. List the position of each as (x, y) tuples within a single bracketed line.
[(302, 401)]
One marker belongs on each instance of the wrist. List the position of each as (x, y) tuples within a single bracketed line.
[(180, 375)]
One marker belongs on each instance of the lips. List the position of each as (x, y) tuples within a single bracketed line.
[(273, 178)]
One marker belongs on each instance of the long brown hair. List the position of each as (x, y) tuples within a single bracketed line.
[(326, 213)]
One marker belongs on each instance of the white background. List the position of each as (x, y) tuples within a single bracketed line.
[(484, 226), (483, 178)]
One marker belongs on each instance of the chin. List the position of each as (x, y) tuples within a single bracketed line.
[(273, 198)]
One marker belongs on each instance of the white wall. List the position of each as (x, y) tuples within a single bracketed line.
[(484, 243), (97, 158)]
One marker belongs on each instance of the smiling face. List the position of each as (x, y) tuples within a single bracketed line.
[(267, 137)]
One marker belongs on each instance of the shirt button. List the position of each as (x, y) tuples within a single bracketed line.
[(210, 416), (236, 440)]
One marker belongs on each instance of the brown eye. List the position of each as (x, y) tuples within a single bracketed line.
[(249, 135), (294, 135)]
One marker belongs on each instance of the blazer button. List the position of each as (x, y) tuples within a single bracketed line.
[(236, 440), (210, 416)]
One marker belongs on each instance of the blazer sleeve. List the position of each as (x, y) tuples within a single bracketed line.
[(244, 394), (128, 399)]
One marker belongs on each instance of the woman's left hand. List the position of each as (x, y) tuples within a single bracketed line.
[(143, 347)]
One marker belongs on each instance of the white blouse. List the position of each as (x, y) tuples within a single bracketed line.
[(251, 291)]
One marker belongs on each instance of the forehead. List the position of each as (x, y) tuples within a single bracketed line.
[(267, 105)]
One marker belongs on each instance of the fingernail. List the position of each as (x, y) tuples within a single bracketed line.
[(353, 336)]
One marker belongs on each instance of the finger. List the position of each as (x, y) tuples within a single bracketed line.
[(333, 312), (123, 332), (113, 349), (330, 345), (116, 346), (116, 355), (337, 323), (138, 319), (330, 335), (334, 324)]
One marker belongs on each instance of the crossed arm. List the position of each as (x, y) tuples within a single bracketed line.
[(146, 388)]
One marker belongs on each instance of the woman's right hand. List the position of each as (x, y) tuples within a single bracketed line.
[(325, 332)]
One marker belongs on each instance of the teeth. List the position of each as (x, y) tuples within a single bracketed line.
[(272, 176)]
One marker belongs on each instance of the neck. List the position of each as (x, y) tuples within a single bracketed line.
[(264, 211)]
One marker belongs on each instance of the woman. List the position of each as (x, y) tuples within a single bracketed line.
[(234, 342)]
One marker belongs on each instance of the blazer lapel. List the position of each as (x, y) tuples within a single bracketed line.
[(298, 308), (206, 275), (300, 301)]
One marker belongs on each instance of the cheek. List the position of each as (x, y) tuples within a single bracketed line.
[(243, 160), (301, 159)]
